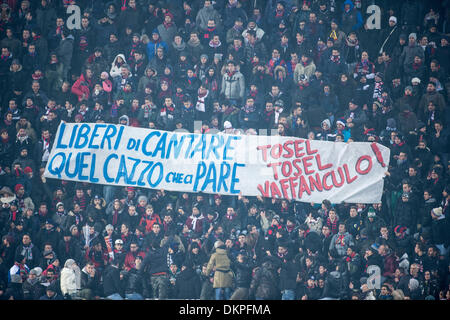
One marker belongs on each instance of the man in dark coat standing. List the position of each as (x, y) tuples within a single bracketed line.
[(243, 271), (389, 36), (111, 282), (404, 212), (64, 51), (155, 265), (355, 118)]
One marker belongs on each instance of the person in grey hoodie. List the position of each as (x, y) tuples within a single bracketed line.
[(124, 120), (341, 241)]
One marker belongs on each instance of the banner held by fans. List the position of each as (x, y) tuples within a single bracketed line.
[(269, 166)]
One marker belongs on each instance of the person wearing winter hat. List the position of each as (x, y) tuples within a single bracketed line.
[(437, 212), (227, 125), (51, 293), (32, 287), (413, 286), (27, 170), (371, 216), (48, 257), (106, 83), (7, 196), (340, 122), (325, 133), (415, 80), (277, 218), (18, 188), (37, 271), (15, 62), (142, 202)]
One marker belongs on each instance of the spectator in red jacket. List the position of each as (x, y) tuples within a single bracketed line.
[(83, 86), (130, 257)]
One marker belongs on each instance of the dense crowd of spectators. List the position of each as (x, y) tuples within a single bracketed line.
[(330, 70)]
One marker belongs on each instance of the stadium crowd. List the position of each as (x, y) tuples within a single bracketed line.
[(319, 69)]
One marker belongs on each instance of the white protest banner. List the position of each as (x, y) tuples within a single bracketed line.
[(269, 166)]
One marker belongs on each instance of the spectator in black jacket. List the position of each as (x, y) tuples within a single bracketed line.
[(404, 213), (155, 266), (243, 276), (135, 284), (288, 272), (112, 286), (188, 284), (90, 282)]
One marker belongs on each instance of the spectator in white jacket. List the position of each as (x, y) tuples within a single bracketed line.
[(70, 279)]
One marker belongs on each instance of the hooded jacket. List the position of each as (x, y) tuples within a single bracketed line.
[(70, 278), (115, 70), (82, 86), (33, 289), (153, 46), (352, 19)]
